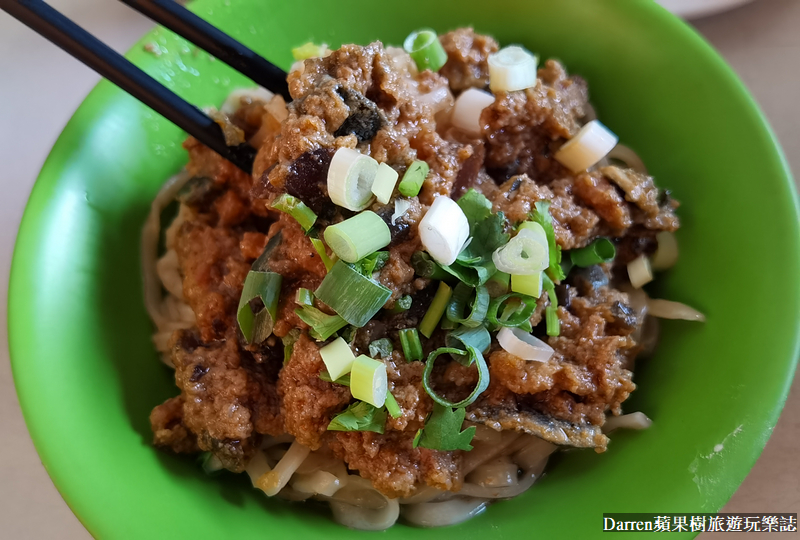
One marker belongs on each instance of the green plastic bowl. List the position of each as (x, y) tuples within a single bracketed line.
[(87, 374)]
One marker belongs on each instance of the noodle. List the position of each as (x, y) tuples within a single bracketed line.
[(498, 472), (666, 309), (508, 492), (316, 483), (170, 313), (483, 452), (637, 420), (628, 157), (366, 519), (440, 514), (273, 481), (167, 269)]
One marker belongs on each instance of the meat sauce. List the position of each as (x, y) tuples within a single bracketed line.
[(372, 98)]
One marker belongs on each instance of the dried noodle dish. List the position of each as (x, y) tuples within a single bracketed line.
[(431, 281)]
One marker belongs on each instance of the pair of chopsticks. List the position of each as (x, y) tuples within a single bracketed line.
[(73, 39)]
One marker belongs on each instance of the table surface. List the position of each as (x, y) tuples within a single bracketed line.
[(761, 41)]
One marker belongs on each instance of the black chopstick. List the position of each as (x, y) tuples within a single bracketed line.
[(183, 22), (76, 41)]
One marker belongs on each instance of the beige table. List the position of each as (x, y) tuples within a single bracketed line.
[(761, 41)]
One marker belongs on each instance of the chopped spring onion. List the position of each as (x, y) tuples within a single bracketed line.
[(210, 463), (319, 245), (538, 230), (527, 285), (371, 263), (424, 48), (412, 347), (475, 357), (310, 50), (600, 251), (521, 312), (551, 311), (337, 357), (592, 143), (344, 380), (258, 305), (551, 320), (368, 381), (510, 308), (478, 338), (322, 325), (447, 324), (512, 68), (639, 272), (566, 266), (468, 108), (392, 406), (402, 304), (359, 416), (350, 179), (522, 344), (478, 307), (541, 214), (401, 206), (288, 343), (304, 297), (444, 230), (349, 333), (524, 255), (361, 235), (356, 298), (413, 179), (666, 254), (385, 180), (426, 267), (498, 284), (381, 348), (435, 310), (297, 209), (666, 309)]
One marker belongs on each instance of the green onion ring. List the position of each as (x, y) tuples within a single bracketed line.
[(475, 357), (519, 317), (479, 338), (478, 307)]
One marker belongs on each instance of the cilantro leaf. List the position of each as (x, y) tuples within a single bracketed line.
[(471, 275), (442, 431), (541, 215), (476, 207), (359, 416)]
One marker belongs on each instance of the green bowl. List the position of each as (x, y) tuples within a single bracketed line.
[(87, 374)]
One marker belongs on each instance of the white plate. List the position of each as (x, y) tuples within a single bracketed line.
[(692, 9)]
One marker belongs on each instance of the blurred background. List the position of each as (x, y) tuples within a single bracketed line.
[(41, 87)]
